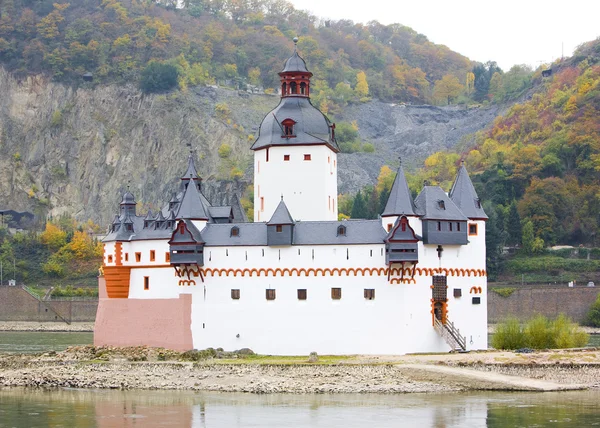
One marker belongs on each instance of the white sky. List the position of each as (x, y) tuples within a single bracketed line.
[(508, 32)]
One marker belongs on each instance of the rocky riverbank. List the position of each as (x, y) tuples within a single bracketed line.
[(46, 326), (144, 368)]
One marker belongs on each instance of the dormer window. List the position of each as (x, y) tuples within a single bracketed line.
[(235, 231), (279, 228), (441, 205), (477, 203), (341, 230), (129, 227), (146, 224), (288, 128)]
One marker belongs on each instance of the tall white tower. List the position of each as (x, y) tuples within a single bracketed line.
[(295, 154)]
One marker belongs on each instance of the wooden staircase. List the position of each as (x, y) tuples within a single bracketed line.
[(450, 334)]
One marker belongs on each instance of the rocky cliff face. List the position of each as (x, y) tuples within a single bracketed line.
[(66, 150)]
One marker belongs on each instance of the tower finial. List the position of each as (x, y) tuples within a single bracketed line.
[(400, 160), (295, 39), (282, 196)]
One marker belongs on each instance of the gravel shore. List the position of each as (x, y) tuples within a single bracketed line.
[(144, 368), (45, 326)]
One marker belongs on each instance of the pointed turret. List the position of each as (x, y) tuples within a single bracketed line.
[(128, 204), (465, 197), (191, 207), (281, 215), (191, 172), (149, 219), (280, 229), (400, 201)]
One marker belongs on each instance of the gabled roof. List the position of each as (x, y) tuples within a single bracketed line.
[(191, 207), (220, 212), (281, 215), (463, 194), (191, 172), (428, 205), (149, 216), (396, 234), (190, 234), (400, 201)]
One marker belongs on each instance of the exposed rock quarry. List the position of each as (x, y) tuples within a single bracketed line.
[(73, 150)]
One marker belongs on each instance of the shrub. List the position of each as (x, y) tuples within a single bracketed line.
[(567, 334), (509, 335), (222, 110), (538, 334), (158, 77), (504, 292), (224, 151)]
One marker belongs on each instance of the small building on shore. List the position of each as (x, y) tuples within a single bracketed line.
[(297, 280)]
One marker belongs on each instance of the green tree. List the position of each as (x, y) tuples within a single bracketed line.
[(159, 77), (359, 207), (513, 226), (528, 237)]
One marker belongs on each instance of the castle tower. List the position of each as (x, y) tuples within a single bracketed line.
[(295, 154), (400, 203)]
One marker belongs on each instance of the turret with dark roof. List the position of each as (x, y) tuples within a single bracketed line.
[(280, 229), (281, 215), (191, 206), (463, 194), (400, 201)]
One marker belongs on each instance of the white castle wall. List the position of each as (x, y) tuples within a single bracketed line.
[(309, 188)]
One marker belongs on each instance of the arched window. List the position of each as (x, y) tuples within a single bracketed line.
[(441, 205), (293, 88), (235, 231), (284, 88), (303, 88), (181, 229), (288, 128), (341, 230)]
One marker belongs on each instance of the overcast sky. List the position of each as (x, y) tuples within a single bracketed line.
[(508, 32)]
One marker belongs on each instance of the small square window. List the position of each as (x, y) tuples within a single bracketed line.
[(235, 231), (369, 293), (146, 283), (286, 157), (476, 300), (389, 227), (307, 157), (110, 259), (336, 293), (235, 294), (270, 294), (167, 257), (152, 255), (457, 292), (138, 257), (472, 229), (302, 294), (279, 228)]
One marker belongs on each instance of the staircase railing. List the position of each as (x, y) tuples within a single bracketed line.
[(450, 334)]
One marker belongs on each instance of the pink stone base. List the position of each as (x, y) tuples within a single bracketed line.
[(162, 323)]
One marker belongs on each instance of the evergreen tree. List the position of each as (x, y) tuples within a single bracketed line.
[(383, 197), (359, 208), (528, 237), (513, 225), (373, 204)]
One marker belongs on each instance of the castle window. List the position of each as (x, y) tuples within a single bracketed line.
[(476, 300), (169, 225), (389, 227), (303, 88), (138, 257), (439, 226), (370, 293), (146, 224), (293, 88), (457, 292), (336, 293), (181, 229), (279, 228), (235, 231), (110, 259), (341, 230), (307, 157), (235, 294), (289, 130), (129, 227), (458, 227), (403, 227), (284, 89), (286, 157), (450, 226), (472, 229), (262, 203), (146, 283), (126, 257), (302, 294), (152, 255), (441, 205), (167, 257), (270, 294)]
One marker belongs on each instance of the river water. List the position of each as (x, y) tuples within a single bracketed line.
[(28, 408)]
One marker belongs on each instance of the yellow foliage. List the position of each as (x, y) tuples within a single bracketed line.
[(53, 236), (362, 87), (385, 179)]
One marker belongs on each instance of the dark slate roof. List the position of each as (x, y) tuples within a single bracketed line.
[(191, 170), (281, 215), (128, 198), (463, 194), (139, 232), (248, 234), (312, 126), (326, 232), (219, 212), (239, 216), (149, 216), (305, 233), (295, 63), (400, 201), (427, 204), (191, 206)]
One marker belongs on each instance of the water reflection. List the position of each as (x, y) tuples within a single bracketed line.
[(104, 409)]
